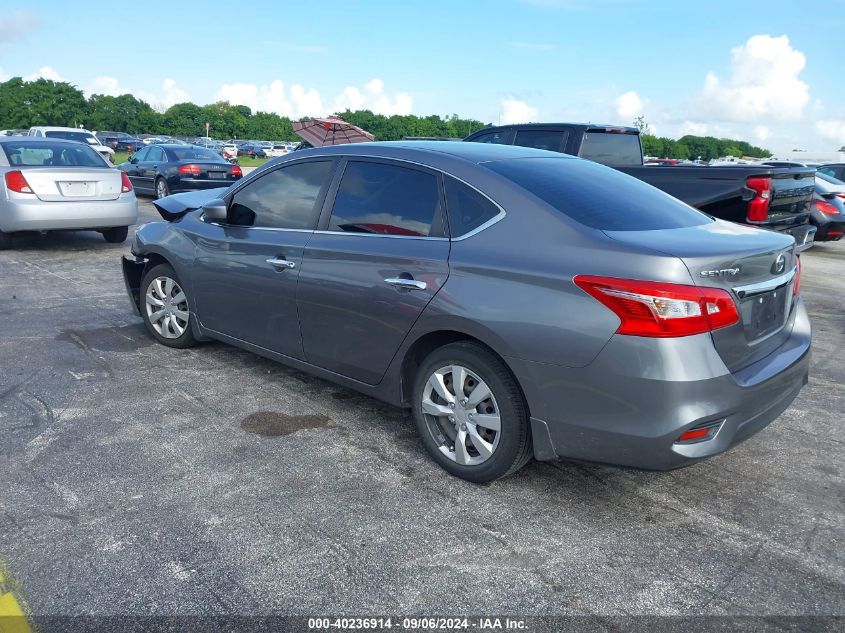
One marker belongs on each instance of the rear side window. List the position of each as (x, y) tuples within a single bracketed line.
[(612, 149), (598, 196), (467, 208), (46, 154), (156, 154), (385, 199), (541, 139), (285, 198)]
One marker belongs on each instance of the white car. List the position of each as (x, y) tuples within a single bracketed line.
[(73, 134), (277, 149), (230, 150)]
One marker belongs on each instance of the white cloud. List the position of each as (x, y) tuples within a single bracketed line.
[(831, 129), (628, 105), (373, 97), (273, 97), (105, 85), (762, 132), (169, 94), (45, 72), (693, 128), (516, 111), (16, 24), (763, 83)]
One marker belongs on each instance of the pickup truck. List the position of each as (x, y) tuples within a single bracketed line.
[(774, 198)]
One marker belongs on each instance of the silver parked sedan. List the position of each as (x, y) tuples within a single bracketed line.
[(521, 302), (52, 184)]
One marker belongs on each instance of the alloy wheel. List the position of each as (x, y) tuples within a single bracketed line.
[(167, 307), (462, 415)]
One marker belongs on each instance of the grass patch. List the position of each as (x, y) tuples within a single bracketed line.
[(246, 161), (120, 157)]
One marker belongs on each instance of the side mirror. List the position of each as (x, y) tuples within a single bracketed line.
[(215, 211)]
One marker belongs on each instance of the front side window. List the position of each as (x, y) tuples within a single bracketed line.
[(467, 208), (540, 139), (141, 154), (285, 198), (385, 199)]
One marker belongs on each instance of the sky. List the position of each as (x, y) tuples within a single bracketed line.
[(768, 72)]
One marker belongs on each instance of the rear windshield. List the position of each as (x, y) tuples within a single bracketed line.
[(612, 149), (26, 153), (597, 196), (82, 137), (195, 153)]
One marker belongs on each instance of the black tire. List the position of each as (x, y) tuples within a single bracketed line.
[(186, 338), (5, 241), (162, 189), (514, 448), (116, 235)]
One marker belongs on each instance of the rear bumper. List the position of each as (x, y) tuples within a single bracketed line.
[(828, 228), (37, 215), (630, 406), (804, 235), (188, 184)]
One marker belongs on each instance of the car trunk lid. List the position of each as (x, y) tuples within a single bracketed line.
[(214, 171), (67, 184), (756, 267), (792, 191)]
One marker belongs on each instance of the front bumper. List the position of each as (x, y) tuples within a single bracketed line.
[(37, 215), (133, 271), (630, 406)]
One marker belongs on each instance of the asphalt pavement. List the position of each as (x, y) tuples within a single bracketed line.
[(137, 479)]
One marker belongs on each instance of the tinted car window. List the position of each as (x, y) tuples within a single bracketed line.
[(612, 149), (385, 199), (285, 198), (40, 153), (598, 196), (155, 153), (490, 137), (540, 139), (141, 154), (82, 137), (195, 153), (467, 208)]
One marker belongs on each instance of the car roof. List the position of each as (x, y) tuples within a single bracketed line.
[(59, 128), (587, 126), (430, 150)]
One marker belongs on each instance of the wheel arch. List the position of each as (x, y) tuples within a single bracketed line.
[(427, 342)]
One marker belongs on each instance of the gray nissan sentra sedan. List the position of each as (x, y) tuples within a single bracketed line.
[(52, 184), (522, 303)]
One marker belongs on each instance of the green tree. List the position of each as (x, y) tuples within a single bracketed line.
[(121, 114), (41, 102)]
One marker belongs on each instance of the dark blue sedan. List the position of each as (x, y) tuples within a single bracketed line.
[(164, 169)]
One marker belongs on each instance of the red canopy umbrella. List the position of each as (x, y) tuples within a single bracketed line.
[(330, 131)]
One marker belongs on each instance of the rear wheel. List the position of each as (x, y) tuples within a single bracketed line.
[(5, 240), (470, 413), (162, 190), (165, 308), (116, 235)]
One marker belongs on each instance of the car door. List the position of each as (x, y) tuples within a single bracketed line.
[(380, 257), (246, 270), (133, 169), (149, 167)]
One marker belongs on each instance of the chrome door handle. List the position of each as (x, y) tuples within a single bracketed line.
[(281, 263), (407, 284)]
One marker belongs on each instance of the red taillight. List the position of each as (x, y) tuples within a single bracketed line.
[(190, 170), (797, 282), (695, 434), (15, 181), (237, 171), (758, 206), (125, 184), (826, 207), (829, 233), (658, 309)]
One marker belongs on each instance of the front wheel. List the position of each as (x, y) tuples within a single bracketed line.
[(165, 308), (470, 413), (162, 190), (116, 235)]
